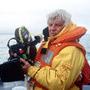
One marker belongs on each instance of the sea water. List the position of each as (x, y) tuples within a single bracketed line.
[(3, 46), (4, 37)]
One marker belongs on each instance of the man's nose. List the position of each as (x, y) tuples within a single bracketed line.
[(53, 26)]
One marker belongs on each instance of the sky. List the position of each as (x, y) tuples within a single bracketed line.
[(33, 13)]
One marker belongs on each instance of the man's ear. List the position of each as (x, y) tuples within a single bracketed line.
[(46, 33)]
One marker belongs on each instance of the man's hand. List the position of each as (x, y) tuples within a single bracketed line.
[(26, 65)]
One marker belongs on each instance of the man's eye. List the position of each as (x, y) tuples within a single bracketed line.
[(57, 25), (50, 24)]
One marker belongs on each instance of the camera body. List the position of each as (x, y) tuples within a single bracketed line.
[(20, 50), (12, 69)]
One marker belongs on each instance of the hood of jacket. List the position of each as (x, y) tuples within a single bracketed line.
[(71, 32)]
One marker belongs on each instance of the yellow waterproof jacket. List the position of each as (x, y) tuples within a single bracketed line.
[(58, 70)]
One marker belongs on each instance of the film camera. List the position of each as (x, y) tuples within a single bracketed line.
[(25, 47)]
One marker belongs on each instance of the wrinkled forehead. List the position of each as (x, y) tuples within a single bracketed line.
[(57, 20)]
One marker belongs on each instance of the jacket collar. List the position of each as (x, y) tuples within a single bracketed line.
[(70, 33)]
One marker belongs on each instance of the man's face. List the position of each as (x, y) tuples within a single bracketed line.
[(55, 26)]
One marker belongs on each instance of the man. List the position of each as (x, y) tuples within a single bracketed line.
[(60, 59)]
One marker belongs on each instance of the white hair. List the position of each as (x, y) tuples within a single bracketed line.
[(61, 14)]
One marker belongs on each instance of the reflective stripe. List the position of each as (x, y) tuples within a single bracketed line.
[(21, 39)]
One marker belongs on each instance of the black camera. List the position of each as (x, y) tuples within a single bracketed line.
[(24, 48)]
